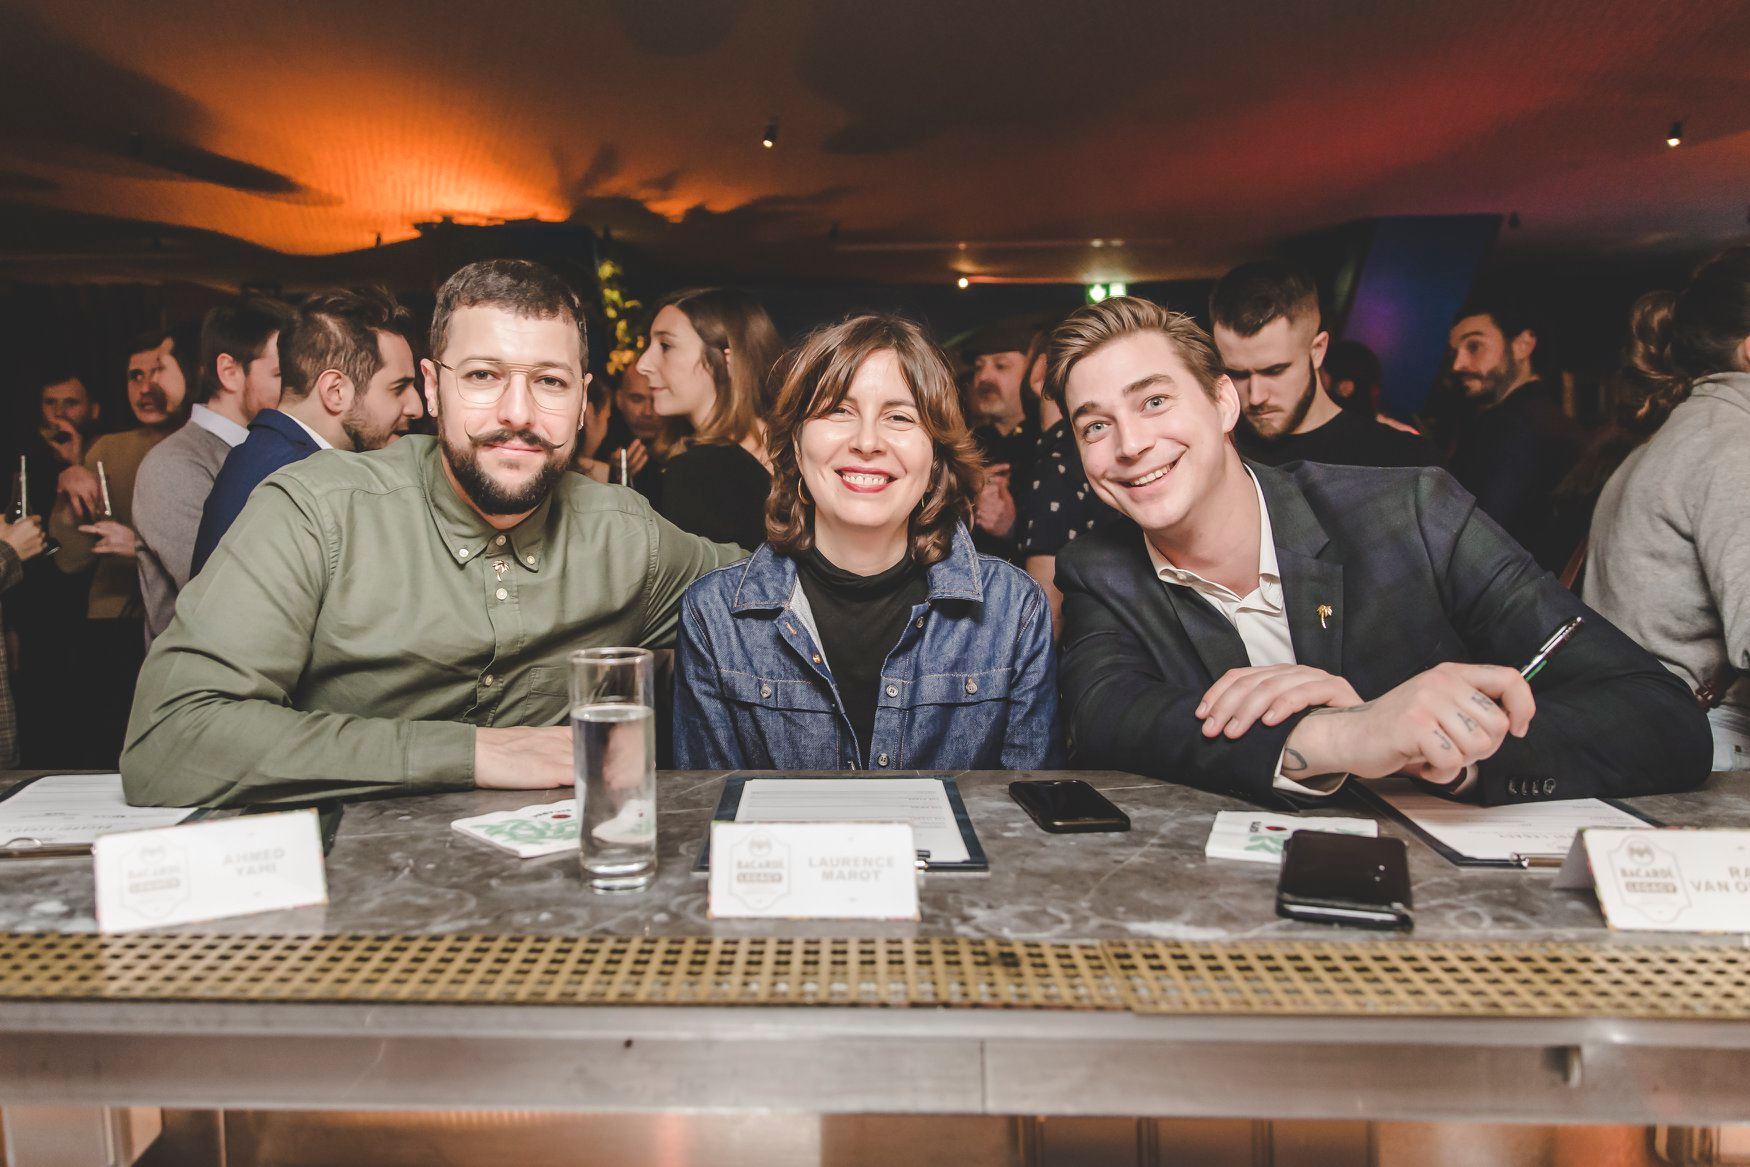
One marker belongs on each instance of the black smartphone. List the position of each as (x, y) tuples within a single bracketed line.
[(1345, 879), (1063, 805)]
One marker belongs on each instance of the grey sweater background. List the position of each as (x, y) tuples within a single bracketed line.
[(1670, 555), (169, 492)]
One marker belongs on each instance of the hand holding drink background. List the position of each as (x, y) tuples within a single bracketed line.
[(613, 727)]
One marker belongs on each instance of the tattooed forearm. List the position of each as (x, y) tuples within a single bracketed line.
[(1292, 761)]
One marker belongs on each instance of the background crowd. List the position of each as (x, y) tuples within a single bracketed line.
[(1640, 501)]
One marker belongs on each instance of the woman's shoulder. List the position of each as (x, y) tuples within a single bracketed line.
[(1003, 579), (721, 588)]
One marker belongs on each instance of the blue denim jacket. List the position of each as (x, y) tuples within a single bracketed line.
[(972, 683)]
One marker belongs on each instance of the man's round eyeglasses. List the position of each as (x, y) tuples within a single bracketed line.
[(482, 382)]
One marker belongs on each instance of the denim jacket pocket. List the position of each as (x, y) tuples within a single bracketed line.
[(959, 718), (795, 722)]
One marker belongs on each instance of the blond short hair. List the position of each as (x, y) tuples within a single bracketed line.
[(1088, 329)]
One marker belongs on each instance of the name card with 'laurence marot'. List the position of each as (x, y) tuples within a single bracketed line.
[(831, 871)]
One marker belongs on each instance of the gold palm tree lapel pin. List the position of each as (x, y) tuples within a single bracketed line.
[(1324, 611)]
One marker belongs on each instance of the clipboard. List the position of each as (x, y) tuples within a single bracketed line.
[(729, 802), (22, 848), (1377, 803)]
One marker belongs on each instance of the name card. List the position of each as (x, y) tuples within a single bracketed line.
[(1664, 881), (209, 870), (797, 871)]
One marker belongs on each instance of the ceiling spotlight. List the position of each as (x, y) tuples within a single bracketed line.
[(962, 283), (1675, 138), (770, 138), (1096, 243), (1118, 289), (1096, 293)]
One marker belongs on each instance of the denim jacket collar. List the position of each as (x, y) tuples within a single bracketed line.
[(769, 580)]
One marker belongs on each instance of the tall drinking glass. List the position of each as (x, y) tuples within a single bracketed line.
[(613, 748)]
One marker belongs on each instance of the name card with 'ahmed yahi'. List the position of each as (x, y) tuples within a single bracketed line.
[(1664, 881), (829, 871), (209, 870)]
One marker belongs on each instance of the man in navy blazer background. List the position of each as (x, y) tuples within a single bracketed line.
[(347, 384), (1276, 633)]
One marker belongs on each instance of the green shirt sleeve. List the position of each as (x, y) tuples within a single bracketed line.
[(213, 721), (676, 560)]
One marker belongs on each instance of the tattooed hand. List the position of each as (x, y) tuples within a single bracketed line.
[(1431, 727)]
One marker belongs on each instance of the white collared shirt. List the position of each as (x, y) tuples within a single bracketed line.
[(1259, 616), (218, 425), (321, 441)]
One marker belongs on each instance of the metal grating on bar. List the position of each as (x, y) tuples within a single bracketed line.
[(1406, 978), (558, 970), (1308, 978)]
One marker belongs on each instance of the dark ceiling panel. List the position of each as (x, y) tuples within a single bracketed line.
[(918, 140)]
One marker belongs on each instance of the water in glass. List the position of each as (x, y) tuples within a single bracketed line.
[(614, 753)]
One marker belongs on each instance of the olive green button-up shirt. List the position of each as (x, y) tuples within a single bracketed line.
[(359, 620)]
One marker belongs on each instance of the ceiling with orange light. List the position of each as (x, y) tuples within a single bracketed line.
[(917, 139)]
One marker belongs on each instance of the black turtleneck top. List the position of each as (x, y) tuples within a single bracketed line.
[(860, 618)]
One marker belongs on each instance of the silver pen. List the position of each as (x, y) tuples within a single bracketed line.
[(1558, 638)]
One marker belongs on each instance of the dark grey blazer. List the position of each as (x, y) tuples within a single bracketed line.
[(1414, 574)]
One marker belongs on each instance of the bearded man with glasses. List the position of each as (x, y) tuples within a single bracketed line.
[(399, 621)]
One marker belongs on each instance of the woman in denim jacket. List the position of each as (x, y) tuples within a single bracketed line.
[(867, 633)]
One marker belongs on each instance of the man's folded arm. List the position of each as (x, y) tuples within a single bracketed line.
[(1611, 720), (1121, 714), (213, 723)]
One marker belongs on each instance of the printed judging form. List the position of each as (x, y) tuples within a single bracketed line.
[(74, 809), (922, 802), (1500, 833)]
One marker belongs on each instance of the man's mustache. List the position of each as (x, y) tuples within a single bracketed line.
[(153, 399), (504, 437)]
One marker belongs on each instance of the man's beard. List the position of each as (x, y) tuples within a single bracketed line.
[(365, 437), (1296, 414), (492, 497), (988, 402), (1491, 386)]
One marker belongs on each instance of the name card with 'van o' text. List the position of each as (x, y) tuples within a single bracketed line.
[(1664, 881), (208, 870), (830, 871)]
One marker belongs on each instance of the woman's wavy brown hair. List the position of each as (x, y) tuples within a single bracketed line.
[(816, 375), (740, 346), (1675, 339)]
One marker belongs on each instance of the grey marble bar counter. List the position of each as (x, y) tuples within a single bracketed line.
[(397, 867)]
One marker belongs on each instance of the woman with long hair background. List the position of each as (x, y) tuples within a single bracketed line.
[(1669, 562), (709, 354)]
